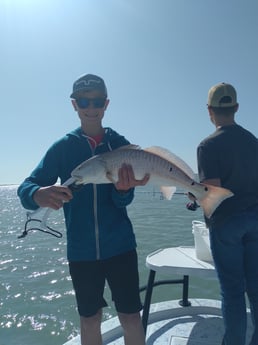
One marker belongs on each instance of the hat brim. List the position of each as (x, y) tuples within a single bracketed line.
[(79, 92)]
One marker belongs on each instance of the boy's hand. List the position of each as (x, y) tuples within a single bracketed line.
[(52, 196), (126, 178)]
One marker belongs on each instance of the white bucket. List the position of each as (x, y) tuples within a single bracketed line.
[(201, 241)]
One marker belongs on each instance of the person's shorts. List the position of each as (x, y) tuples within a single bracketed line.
[(121, 273)]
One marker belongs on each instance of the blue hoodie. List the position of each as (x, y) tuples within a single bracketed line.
[(96, 219)]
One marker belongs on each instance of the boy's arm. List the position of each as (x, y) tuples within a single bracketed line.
[(44, 175)]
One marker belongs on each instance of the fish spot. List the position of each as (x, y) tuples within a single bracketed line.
[(206, 189), (170, 169)]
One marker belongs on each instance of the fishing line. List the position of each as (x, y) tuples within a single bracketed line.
[(47, 229), (43, 226)]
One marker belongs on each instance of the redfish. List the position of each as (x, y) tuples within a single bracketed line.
[(165, 169)]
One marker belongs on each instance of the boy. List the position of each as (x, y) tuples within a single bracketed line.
[(101, 244)]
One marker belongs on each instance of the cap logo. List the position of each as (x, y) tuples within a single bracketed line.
[(87, 82)]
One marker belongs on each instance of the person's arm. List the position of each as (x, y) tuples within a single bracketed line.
[(208, 166), (207, 171), (39, 190)]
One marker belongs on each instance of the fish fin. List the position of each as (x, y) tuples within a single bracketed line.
[(172, 158), (129, 147), (167, 191), (213, 198)]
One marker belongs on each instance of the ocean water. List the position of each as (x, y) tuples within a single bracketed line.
[(37, 303)]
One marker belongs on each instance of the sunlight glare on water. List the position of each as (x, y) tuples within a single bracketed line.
[(37, 303)]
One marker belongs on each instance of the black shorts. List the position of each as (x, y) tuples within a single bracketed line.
[(121, 273)]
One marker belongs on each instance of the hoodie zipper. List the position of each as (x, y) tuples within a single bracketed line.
[(95, 208), (95, 199), (96, 223)]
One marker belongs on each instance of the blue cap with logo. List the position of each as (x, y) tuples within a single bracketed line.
[(88, 82)]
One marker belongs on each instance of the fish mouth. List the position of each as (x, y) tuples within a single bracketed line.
[(78, 179), (74, 187)]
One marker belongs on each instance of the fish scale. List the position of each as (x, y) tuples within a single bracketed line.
[(142, 163)]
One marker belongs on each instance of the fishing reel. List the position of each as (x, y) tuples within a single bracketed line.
[(192, 206)]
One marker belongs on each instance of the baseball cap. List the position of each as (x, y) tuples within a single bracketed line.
[(88, 82), (222, 95)]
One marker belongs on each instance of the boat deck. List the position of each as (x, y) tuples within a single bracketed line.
[(171, 324), (180, 322)]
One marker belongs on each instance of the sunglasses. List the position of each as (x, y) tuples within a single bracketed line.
[(84, 103)]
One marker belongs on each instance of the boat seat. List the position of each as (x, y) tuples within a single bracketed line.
[(174, 260)]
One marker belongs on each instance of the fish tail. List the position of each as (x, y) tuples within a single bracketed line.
[(213, 198)]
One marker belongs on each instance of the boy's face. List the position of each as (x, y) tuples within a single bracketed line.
[(90, 107)]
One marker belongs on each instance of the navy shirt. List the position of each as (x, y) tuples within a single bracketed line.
[(231, 155)]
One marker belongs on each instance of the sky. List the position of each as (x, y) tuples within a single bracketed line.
[(158, 58)]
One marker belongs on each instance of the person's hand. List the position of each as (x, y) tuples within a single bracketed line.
[(126, 178), (52, 196), (192, 206)]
